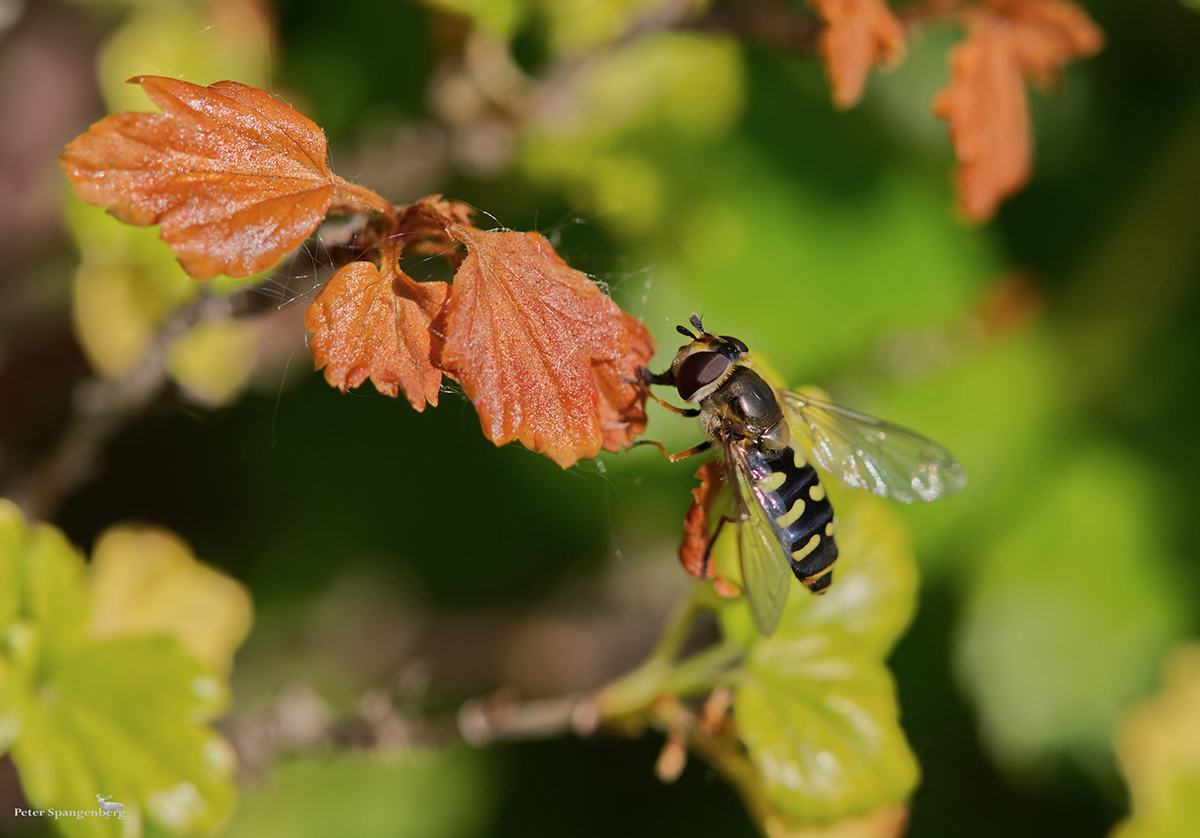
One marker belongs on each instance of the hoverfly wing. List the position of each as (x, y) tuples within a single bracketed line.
[(867, 453), (766, 573)]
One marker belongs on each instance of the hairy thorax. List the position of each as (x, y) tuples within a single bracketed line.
[(745, 407)]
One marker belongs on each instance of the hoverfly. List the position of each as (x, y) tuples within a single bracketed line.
[(784, 519)]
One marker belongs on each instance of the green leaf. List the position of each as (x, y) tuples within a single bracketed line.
[(414, 793), (55, 593), (1159, 747), (122, 717), (873, 594), (818, 715), (12, 545), (1069, 613), (815, 704), (147, 581), (1179, 819)]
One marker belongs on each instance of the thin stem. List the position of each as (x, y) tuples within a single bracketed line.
[(660, 674), (364, 197), (699, 599), (703, 671)]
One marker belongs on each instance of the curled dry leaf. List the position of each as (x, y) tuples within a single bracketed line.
[(858, 35), (622, 400), (984, 104), (424, 228), (523, 331), (372, 324), (234, 178), (693, 549)]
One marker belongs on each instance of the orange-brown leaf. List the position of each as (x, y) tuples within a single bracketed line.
[(858, 35), (234, 178), (424, 227), (693, 549), (523, 329), (984, 104), (367, 324), (622, 400)]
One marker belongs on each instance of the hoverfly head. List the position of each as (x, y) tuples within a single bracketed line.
[(700, 367)]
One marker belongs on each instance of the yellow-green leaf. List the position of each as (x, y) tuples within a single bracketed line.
[(55, 597), (214, 360), (12, 545), (818, 715), (1158, 744), (125, 718), (874, 588), (815, 704), (147, 581)]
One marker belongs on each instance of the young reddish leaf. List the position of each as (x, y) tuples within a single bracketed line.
[(234, 178), (622, 400), (523, 329), (369, 324), (424, 227), (858, 35), (984, 103)]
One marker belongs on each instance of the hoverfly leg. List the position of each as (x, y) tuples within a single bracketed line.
[(674, 458), (681, 411), (712, 539), (646, 378)]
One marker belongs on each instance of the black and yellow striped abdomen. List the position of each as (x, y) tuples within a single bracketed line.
[(795, 501)]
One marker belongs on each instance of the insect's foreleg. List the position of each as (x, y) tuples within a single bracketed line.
[(680, 411), (646, 377), (682, 455)]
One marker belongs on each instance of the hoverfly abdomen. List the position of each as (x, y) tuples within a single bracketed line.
[(794, 499)]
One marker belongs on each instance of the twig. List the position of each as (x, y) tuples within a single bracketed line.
[(772, 23), (101, 407), (482, 721)]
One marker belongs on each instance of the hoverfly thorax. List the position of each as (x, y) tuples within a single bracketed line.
[(735, 401)]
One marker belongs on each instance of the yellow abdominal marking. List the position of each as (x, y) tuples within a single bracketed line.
[(831, 528), (800, 461), (772, 483), (817, 492), (786, 520), (800, 554)]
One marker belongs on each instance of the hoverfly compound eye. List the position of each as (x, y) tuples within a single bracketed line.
[(736, 344), (698, 371)]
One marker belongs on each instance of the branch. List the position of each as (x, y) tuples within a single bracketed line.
[(482, 721), (772, 23), (102, 407)]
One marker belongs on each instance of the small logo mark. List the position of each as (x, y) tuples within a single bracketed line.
[(109, 807)]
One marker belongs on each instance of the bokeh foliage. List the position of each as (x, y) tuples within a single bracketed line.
[(108, 678)]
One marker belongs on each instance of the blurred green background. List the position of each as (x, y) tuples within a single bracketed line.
[(1054, 350)]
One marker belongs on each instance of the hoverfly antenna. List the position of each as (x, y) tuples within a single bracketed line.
[(695, 319), (683, 330)]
